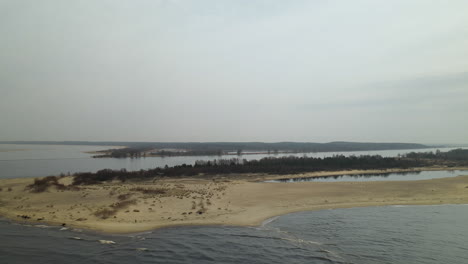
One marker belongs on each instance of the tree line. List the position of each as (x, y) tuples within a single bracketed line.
[(275, 165)]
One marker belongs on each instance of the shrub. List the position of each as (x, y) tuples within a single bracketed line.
[(104, 213), (114, 208), (149, 191), (123, 204), (41, 185), (124, 196)]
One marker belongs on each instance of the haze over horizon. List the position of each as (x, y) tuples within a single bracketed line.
[(258, 70)]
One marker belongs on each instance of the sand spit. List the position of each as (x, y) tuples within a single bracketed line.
[(244, 200)]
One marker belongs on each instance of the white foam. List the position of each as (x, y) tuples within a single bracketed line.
[(106, 242), (269, 220), (41, 226), (301, 241)]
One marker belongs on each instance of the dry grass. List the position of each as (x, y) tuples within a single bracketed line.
[(124, 196), (113, 209), (43, 184), (105, 213), (155, 191)]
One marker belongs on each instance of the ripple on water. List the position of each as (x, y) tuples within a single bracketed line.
[(392, 234)]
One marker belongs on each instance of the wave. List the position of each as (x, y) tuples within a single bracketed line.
[(269, 220)]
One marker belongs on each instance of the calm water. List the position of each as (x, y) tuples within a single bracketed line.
[(405, 176), (44, 160), (392, 234)]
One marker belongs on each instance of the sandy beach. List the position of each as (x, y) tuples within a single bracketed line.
[(243, 200)]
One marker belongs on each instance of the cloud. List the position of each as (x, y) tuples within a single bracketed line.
[(451, 89), (231, 70)]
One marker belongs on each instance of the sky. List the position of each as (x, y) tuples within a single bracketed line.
[(246, 70)]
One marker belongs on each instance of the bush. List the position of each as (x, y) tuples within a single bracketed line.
[(124, 196), (104, 213), (149, 191), (114, 208), (41, 185)]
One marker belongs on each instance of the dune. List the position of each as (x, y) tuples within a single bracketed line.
[(243, 200)]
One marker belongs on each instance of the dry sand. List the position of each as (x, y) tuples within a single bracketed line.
[(237, 200)]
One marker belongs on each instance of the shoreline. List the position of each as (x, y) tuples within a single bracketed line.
[(78, 229), (225, 200), (106, 153), (363, 172)]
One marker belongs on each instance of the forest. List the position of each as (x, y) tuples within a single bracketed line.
[(281, 165)]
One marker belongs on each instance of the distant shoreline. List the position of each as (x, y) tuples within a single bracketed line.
[(168, 149), (243, 200), (108, 155)]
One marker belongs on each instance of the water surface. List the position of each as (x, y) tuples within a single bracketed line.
[(45, 160), (394, 176), (391, 234)]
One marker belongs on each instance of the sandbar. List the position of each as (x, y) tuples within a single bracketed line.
[(241, 200)]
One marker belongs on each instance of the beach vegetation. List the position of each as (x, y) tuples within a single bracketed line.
[(154, 191), (42, 184), (110, 211)]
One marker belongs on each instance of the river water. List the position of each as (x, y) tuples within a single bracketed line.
[(44, 160), (391, 234)]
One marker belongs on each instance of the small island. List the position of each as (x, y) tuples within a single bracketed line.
[(171, 149)]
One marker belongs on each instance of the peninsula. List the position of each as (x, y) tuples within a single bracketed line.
[(109, 202)]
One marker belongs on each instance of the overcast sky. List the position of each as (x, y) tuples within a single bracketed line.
[(251, 70)]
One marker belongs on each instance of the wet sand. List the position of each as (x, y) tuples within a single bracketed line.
[(243, 200)]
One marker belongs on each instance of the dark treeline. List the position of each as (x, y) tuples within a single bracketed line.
[(133, 152), (244, 146), (224, 148), (142, 149), (281, 165), (285, 146), (207, 152), (453, 155)]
